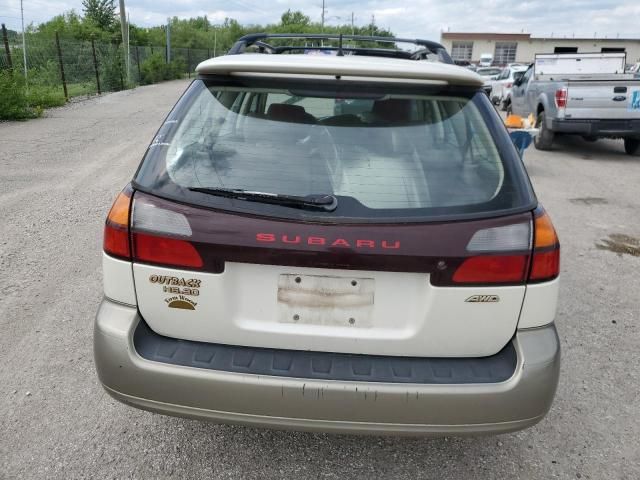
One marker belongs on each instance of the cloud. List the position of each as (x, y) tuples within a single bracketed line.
[(419, 18)]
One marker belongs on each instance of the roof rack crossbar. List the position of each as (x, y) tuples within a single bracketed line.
[(257, 39)]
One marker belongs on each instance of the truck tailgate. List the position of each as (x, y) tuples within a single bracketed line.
[(610, 99)]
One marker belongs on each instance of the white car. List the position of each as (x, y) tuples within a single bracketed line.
[(486, 60), (501, 87), (278, 262), (489, 75)]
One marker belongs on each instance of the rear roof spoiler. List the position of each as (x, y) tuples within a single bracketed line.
[(425, 47)]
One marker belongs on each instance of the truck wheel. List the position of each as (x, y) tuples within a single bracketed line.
[(544, 139), (505, 105), (631, 146)]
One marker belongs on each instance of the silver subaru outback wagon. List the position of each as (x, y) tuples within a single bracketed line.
[(343, 242)]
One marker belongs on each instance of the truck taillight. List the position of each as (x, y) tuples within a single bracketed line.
[(509, 85), (116, 229), (561, 97), (545, 264)]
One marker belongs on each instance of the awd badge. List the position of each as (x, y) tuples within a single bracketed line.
[(483, 299)]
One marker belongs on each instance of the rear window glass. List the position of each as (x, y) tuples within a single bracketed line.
[(381, 153)]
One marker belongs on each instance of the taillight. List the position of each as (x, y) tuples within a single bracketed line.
[(165, 251), (561, 97), (116, 229), (162, 236), (545, 264), (502, 256), (492, 269), (509, 85)]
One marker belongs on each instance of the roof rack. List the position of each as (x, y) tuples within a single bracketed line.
[(426, 47)]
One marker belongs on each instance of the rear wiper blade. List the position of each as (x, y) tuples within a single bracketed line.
[(324, 202)]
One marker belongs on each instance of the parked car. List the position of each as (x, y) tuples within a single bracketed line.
[(490, 75), (583, 94), (486, 60), (386, 271), (501, 88)]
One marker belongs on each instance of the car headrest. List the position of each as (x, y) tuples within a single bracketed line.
[(393, 110), (283, 112)]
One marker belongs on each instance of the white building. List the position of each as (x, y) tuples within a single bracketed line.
[(522, 47)]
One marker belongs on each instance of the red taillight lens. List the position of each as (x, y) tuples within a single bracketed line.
[(561, 97), (545, 265), (165, 251), (509, 85), (116, 229), (492, 269)]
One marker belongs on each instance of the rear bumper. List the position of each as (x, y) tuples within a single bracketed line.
[(597, 128), (327, 405)]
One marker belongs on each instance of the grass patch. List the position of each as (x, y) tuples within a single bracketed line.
[(40, 97), (82, 88)]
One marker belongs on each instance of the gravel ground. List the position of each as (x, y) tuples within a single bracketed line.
[(58, 177)]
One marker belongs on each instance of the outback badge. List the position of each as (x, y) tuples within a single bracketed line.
[(483, 299)]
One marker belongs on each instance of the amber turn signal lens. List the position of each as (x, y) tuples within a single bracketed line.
[(116, 229), (545, 234), (119, 213)]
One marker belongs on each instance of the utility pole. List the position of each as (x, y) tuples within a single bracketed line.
[(125, 34), (322, 21), (373, 23), (168, 40), (24, 44), (215, 40), (353, 30)]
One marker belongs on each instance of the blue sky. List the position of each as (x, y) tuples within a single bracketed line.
[(419, 18)]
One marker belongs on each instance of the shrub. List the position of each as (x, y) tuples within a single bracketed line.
[(154, 69), (13, 98)]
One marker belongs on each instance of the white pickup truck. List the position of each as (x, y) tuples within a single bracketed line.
[(585, 94)]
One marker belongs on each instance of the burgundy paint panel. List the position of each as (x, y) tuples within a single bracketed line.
[(220, 237)]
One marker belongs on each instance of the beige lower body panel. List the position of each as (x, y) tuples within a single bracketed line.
[(330, 406)]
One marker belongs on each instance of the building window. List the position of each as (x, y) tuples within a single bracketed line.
[(612, 50), (505, 53), (565, 50), (462, 50)]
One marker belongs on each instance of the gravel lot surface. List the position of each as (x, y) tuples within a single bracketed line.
[(58, 177)]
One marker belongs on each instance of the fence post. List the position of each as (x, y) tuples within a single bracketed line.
[(95, 65), (138, 63), (189, 62), (6, 47), (64, 80)]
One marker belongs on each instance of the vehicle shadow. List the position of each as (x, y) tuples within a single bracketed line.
[(603, 149)]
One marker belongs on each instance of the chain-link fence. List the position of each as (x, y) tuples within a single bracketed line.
[(77, 67)]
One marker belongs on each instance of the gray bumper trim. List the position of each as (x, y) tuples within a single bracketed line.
[(323, 365), (326, 405)]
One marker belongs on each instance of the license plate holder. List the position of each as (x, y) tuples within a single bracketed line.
[(326, 300)]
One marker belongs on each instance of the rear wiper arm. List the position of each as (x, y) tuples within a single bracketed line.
[(324, 202)]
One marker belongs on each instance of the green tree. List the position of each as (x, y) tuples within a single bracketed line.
[(100, 12), (294, 18)]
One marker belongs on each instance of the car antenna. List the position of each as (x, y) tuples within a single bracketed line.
[(340, 53)]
